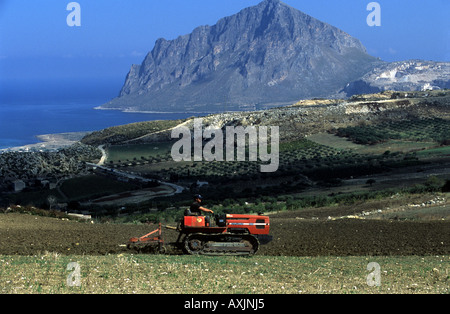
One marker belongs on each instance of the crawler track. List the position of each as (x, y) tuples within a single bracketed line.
[(220, 244)]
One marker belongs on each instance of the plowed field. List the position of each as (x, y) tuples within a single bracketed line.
[(29, 235)]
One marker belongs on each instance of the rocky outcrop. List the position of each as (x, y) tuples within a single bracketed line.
[(264, 56), (411, 75)]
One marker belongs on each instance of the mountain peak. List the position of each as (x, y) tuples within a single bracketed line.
[(273, 2), (270, 53), (270, 2)]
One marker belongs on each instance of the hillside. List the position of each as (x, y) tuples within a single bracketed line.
[(327, 147), (300, 119), (329, 150)]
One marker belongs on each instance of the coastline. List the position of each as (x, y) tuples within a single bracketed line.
[(49, 142), (56, 141), (133, 110)]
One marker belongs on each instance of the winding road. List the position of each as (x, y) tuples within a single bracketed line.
[(101, 165)]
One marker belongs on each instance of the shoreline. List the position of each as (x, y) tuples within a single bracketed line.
[(132, 110), (49, 142), (56, 141)]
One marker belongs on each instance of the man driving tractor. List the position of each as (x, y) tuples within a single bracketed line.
[(196, 209)]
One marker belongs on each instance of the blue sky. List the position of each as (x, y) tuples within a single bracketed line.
[(36, 42)]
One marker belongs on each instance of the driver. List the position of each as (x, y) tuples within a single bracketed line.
[(196, 209)]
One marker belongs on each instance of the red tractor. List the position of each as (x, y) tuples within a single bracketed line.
[(227, 235), (231, 234)]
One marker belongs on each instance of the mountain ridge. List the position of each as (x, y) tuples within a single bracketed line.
[(264, 56)]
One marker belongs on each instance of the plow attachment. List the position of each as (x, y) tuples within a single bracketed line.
[(150, 243)]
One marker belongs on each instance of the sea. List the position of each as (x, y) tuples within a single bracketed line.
[(33, 107)]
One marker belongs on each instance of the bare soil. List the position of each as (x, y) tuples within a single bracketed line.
[(357, 237), (23, 234), (293, 236)]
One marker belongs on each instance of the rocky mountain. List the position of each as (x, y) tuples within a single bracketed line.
[(266, 55), (411, 75)]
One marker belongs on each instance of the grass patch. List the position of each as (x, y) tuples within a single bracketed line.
[(334, 141), (161, 274), (138, 152), (392, 146), (440, 151), (118, 134), (413, 130)]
